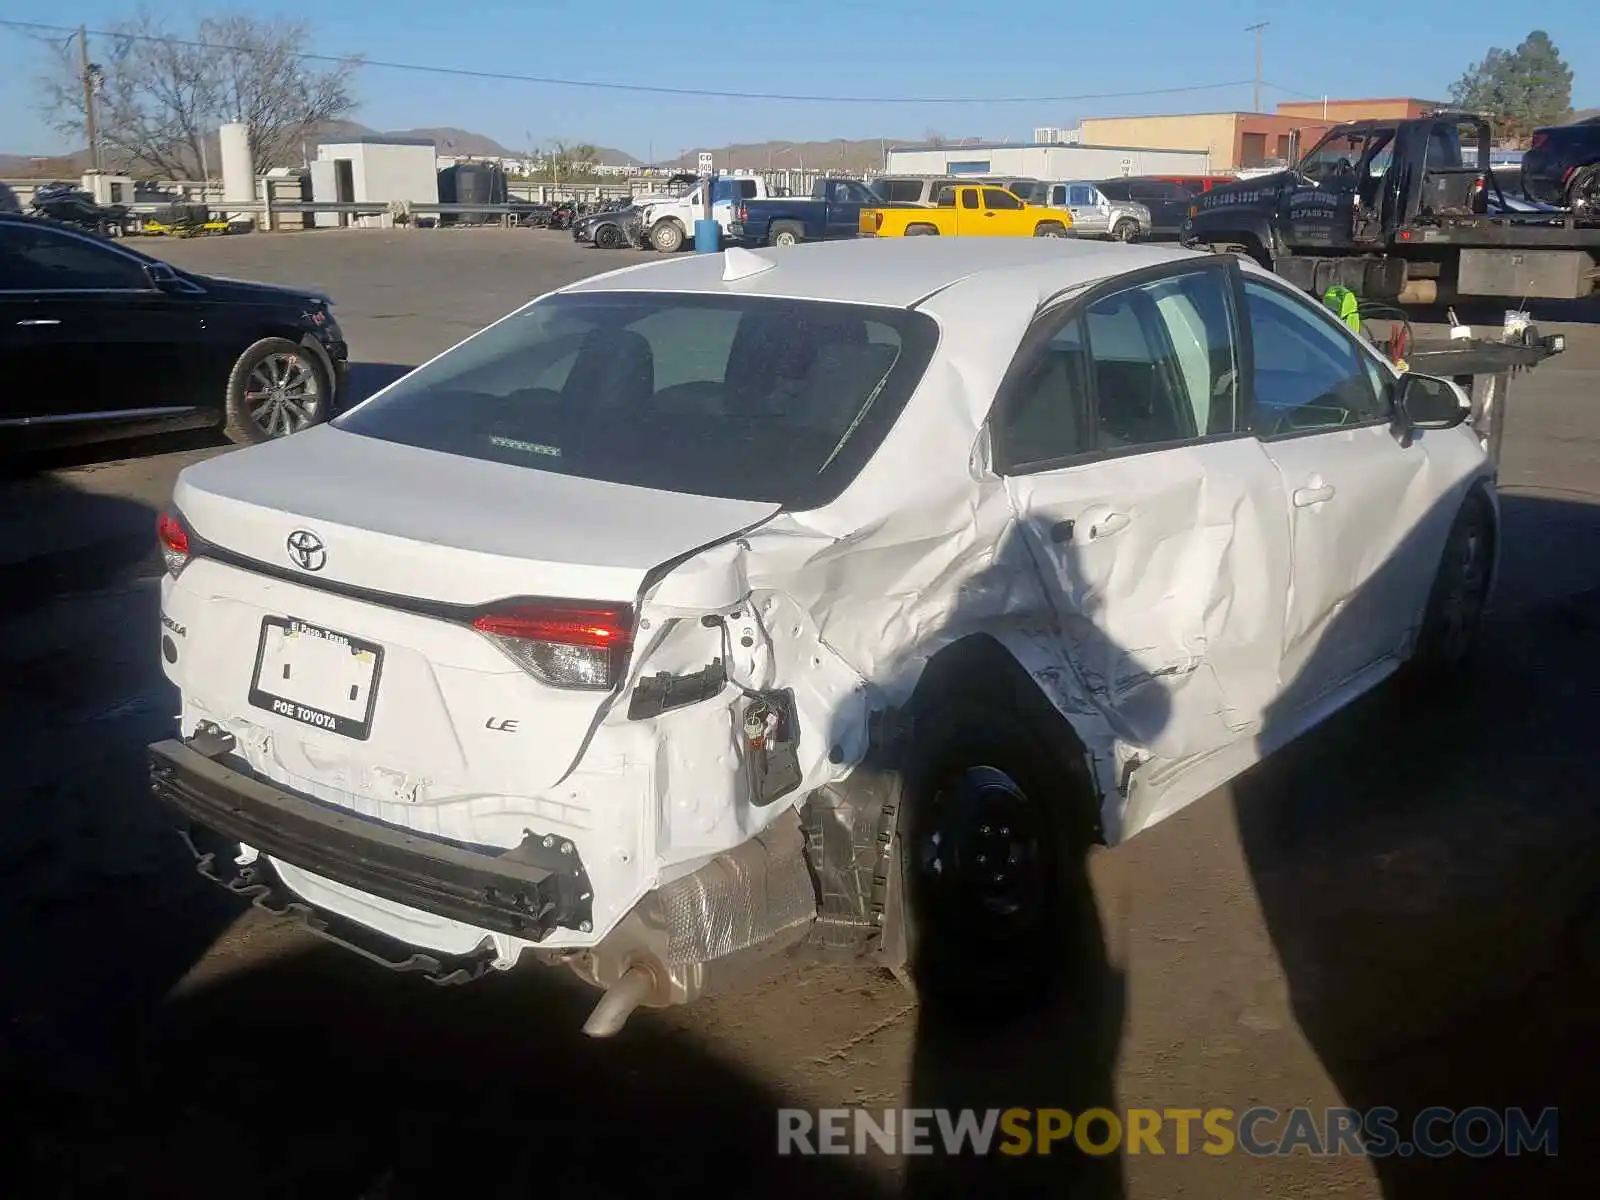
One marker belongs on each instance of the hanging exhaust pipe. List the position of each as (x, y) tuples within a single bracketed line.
[(638, 982)]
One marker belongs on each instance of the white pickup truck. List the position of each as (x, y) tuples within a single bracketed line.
[(667, 224)]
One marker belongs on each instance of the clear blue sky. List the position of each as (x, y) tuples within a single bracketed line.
[(859, 48)]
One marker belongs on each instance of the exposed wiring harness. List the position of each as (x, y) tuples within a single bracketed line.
[(1400, 339)]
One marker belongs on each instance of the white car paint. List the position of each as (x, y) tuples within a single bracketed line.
[(1182, 611)]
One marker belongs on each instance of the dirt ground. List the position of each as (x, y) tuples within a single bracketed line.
[(1402, 909)]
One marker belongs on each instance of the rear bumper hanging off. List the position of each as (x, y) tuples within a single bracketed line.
[(526, 891)]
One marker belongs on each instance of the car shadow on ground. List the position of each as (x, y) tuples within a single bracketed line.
[(1428, 866), (56, 539)]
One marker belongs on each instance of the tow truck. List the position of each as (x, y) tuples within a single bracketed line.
[(1405, 212)]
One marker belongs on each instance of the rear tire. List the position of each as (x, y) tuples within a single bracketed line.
[(608, 237), (786, 233), (991, 857), (667, 236), (1050, 229), (276, 388)]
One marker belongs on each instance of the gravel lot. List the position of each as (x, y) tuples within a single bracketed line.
[(1402, 910)]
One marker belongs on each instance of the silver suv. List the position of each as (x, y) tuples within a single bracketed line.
[(1096, 215)]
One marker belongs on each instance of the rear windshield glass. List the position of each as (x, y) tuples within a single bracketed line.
[(750, 398)]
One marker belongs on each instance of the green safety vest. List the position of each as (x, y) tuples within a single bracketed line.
[(1344, 305)]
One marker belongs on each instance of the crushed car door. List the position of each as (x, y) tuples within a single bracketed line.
[(1358, 499), (1157, 523)]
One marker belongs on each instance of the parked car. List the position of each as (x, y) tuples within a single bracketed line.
[(1562, 166), (116, 343), (932, 564), (1094, 214), (911, 189), (668, 224), (1168, 203), (832, 211), (1195, 184), (606, 229), (967, 210), (8, 200), (1022, 187)]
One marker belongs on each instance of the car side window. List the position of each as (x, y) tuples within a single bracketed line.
[(996, 198), (47, 260), (1082, 196), (1309, 375), (1163, 362), (945, 197), (969, 197), (1114, 191), (1145, 366)]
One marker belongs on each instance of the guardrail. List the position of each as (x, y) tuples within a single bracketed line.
[(392, 213)]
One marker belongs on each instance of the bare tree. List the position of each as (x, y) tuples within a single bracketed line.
[(161, 94)]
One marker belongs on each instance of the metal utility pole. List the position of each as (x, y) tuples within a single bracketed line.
[(1255, 96), (89, 72)]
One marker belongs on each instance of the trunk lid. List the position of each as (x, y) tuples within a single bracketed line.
[(354, 673), (427, 525)]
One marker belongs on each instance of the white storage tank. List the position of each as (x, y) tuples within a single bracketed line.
[(238, 164)]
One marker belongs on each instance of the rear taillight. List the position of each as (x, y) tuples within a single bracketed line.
[(744, 213), (576, 646), (174, 539)]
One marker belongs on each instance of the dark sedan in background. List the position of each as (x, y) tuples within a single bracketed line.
[(1562, 166), (101, 342)]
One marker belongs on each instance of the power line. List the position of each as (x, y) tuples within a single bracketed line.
[(650, 89)]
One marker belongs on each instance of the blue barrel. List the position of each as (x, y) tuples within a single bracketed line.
[(707, 236)]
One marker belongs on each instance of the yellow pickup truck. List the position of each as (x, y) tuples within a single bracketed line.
[(967, 210)]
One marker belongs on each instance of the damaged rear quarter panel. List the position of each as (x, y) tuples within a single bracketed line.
[(846, 604)]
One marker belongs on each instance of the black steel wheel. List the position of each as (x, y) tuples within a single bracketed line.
[(607, 237), (991, 855)]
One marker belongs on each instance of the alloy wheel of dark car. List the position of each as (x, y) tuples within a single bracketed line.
[(608, 237), (282, 394), (276, 389)]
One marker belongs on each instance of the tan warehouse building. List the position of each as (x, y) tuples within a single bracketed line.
[(1242, 139)]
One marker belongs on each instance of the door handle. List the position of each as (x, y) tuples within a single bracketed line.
[(39, 321), (1307, 496), (1108, 524)]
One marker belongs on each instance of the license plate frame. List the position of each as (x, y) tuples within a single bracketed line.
[(298, 710)]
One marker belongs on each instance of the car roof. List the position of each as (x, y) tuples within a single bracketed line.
[(889, 272)]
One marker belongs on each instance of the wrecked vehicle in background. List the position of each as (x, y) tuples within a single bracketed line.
[(843, 595)]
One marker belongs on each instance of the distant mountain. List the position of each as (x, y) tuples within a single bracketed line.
[(1583, 114)]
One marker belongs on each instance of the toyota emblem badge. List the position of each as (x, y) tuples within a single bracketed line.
[(307, 551)]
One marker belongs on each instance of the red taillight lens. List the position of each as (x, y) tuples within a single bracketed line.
[(576, 646), (174, 539), (744, 213)]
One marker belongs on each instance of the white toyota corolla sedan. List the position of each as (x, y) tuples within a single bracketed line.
[(838, 596)]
